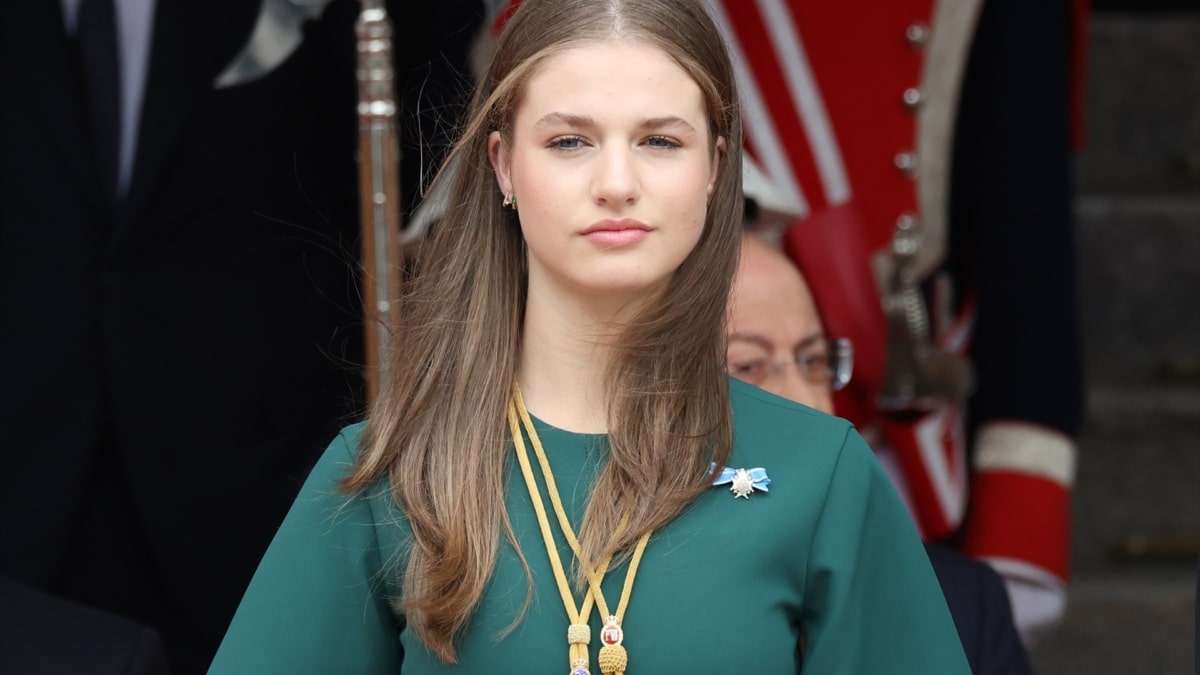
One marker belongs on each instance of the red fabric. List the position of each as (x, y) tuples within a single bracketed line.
[(1019, 516), (862, 63), (1080, 17), (503, 16), (921, 474), (831, 252), (752, 36)]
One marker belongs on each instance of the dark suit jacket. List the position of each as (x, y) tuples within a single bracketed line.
[(979, 604), (206, 330), (41, 634)]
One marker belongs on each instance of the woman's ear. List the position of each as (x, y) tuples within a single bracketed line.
[(718, 155), (498, 155)]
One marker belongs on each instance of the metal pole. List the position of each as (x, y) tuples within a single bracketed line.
[(379, 189)]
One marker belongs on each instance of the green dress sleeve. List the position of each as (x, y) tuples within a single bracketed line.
[(873, 604), (315, 604)]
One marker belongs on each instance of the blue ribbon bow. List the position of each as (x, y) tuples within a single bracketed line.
[(742, 482)]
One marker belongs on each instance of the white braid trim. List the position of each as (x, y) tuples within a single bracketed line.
[(1026, 448)]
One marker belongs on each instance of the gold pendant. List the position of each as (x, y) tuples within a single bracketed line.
[(612, 658), (611, 634)]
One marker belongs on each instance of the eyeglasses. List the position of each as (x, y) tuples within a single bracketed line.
[(827, 363)]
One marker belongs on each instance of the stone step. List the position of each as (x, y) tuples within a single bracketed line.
[(1142, 104), (1145, 5), (1139, 273), (1137, 489), (1106, 402), (1134, 623)]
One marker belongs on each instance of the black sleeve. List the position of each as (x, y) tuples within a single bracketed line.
[(1012, 223), (982, 615), (41, 633)]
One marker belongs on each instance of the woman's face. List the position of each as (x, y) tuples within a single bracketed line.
[(611, 166)]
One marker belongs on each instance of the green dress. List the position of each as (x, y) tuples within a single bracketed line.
[(728, 587)]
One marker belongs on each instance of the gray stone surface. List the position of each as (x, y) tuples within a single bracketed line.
[(1139, 266), (1143, 105), (1137, 490), (1134, 623)]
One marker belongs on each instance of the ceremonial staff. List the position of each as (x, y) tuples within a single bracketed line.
[(379, 188)]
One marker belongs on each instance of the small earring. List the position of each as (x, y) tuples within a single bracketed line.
[(509, 201)]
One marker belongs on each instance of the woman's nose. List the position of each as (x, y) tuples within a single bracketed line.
[(616, 180)]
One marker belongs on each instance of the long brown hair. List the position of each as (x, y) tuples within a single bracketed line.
[(438, 429)]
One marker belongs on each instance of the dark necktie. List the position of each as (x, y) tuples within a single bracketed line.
[(97, 37)]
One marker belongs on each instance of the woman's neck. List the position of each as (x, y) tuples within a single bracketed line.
[(565, 355)]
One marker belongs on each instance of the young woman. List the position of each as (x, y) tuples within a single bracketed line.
[(534, 491)]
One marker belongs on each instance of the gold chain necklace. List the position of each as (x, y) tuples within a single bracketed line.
[(613, 658)]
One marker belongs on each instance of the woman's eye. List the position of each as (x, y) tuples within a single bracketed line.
[(567, 143), (661, 142)]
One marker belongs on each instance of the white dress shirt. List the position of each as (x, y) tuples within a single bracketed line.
[(135, 22)]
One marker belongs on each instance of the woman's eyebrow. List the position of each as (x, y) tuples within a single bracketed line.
[(588, 122), (657, 123), (568, 119)]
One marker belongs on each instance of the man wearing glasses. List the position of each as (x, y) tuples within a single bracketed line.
[(776, 340)]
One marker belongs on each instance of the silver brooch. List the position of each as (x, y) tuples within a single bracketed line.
[(743, 482)]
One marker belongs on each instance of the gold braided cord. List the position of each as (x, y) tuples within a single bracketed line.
[(613, 658), (578, 633), (569, 532)]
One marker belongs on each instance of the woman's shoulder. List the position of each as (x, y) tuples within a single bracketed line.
[(375, 501), (337, 461), (791, 441), (350, 438), (758, 414)]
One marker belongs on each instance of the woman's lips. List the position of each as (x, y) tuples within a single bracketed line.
[(614, 233)]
